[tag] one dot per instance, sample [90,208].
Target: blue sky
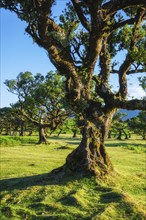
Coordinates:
[20,54]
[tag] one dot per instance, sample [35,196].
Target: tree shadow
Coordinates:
[74,142]
[64,138]
[25,182]
[45,179]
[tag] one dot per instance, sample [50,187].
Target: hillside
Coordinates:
[130,113]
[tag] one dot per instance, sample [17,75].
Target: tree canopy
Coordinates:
[83,43]
[40,99]
[88,31]
[138,124]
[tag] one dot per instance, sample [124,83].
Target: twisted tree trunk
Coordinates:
[90,157]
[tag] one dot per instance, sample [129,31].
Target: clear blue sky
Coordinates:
[20,54]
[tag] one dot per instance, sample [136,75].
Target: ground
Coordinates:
[29,192]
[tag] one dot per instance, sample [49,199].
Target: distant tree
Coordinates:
[90,33]
[40,100]
[21,124]
[138,124]
[10,121]
[119,126]
[73,126]
[6,120]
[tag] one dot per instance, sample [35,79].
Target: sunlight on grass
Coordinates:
[27,192]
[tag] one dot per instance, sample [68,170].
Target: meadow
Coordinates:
[28,191]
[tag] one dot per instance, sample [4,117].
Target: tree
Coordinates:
[138,124]
[6,120]
[40,100]
[71,126]
[10,121]
[90,33]
[119,126]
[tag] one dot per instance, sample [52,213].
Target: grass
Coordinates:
[27,192]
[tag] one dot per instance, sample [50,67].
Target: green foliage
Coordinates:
[41,98]
[16,140]
[142,81]
[138,124]
[119,127]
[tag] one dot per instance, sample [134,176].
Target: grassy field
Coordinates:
[27,191]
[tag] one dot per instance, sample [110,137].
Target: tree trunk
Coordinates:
[59,132]
[21,129]
[74,133]
[42,138]
[120,135]
[109,134]
[144,136]
[90,156]
[30,133]
[126,135]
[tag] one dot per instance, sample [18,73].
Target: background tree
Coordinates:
[40,100]
[6,120]
[138,124]
[119,126]
[21,124]
[71,126]
[90,33]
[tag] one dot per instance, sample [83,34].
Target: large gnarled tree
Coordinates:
[90,33]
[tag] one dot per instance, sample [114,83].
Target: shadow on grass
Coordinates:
[73,143]
[45,179]
[106,197]
[63,138]
[28,181]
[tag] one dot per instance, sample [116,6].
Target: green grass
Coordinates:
[28,192]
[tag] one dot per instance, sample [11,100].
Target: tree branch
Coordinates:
[123,23]
[115,5]
[104,63]
[124,68]
[80,14]
[130,104]
[130,71]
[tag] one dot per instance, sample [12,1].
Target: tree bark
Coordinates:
[42,137]
[90,156]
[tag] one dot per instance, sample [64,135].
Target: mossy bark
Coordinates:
[90,157]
